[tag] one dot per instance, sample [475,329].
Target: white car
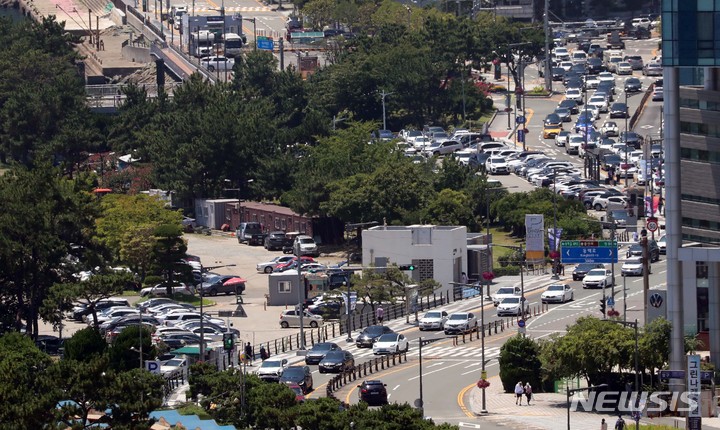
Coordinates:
[291,318]
[575,141]
[217,62]
[591,82]
[609,129]
[633,266]
[460,322]
[511,306]
[172,366]
[598,278]
[579,57]
[557,293]
[574,94]
[561,53]
[433,320]
[600,203]
[505,292]
[111,313]
[161,290]
[561,138]
[496,165]
[270,370]
[606,77]
[566,65]
[623,68]
[599,102]
[390,343]
[443,148]
[269,266]
[307,245]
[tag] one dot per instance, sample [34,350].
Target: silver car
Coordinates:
[433,320]
[460,322]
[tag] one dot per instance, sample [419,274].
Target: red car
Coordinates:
[299,395]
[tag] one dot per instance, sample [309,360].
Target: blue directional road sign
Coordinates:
[520,119]
[588,251]
[265,44]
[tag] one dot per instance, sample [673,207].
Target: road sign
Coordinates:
[611,301]
[591,243]
[418,403]
[652,224]
[588,254]
[152,366]
[672,374]
[265,44]
[521,136]
[520,119]
[521,323]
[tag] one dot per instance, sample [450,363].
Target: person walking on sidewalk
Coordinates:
[249,352]
[528,392]
[620,423]
[519,391]
[379,314]
[603,425]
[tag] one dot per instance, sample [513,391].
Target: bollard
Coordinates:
[455,341]
[393,359]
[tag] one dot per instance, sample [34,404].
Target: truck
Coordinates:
[614,41]
[201,44]
[611,58]
[250,233]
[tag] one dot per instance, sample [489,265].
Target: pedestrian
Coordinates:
[464,278]
[528,392]
[519,391]
[379,314]
[603,425]
[661,201]
[249,352]
[620,423]
[263,353]
[562,269]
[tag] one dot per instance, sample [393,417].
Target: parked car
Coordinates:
[274,240]
[557,293]
[49,344]
[460,322]
[336,362]
[443,148]
[370,334]
[662,243]
[433,320]
[291,318]
[269,266]
[161,290]
[390,343]
[300,375]
[222,284]
[373,393]
[598,278]
[318,351]
[497,165]
[251,233]
[299,394]
[307,245]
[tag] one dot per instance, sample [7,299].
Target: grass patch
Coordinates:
[194,410]
[501,237]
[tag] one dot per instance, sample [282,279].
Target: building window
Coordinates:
[700,239]
[424,269]
[701,223]
[284,287]
[283,224]
[700,155]
[700,199]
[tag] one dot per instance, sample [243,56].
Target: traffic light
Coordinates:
[409,267]
[602,306]
[228,341]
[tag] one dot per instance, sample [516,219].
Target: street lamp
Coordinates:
[383,94]
[637,366]
[577,390]
[301,298]
[347,312]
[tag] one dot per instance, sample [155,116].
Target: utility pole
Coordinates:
[646,271]
[556,275]
[546,28]
[383,94]
[301,296]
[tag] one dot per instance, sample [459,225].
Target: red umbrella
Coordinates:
[234,281]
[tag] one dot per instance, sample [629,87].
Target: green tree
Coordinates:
[84,345]
[450,208]
[124,354]
[654,345]
[519,361]
[128,408]
[27,402]
[168,254]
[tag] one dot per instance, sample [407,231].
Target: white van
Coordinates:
[307,246]
[579,57]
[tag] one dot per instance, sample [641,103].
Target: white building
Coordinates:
[437,252]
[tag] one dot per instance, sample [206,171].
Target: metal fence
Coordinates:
[369,367]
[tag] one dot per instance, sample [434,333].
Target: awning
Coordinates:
[190,350]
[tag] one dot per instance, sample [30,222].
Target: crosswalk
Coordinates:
[434,352]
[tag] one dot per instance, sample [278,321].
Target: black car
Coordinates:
[337,362]
[227,284]
[631,139]
[328,310]
[178,340]
[300,375]
[582,269]
[595,66]
[569,104]
[274,240]
[332,32]
[633,85]
[611,160]
[370,334]
[619,110]
[635,250]
[575,83]
[558,73]
[553,119]
[83,310]
[318,352]
[49,344]
[373,393]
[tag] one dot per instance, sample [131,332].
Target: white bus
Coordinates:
[233,44]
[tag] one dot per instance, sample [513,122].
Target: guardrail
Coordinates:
[369,367]
[641,108]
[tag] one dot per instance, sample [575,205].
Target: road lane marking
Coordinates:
[469,425]
[435,371]
[396,387]
[461,401]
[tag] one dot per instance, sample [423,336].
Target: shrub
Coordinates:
[507,271]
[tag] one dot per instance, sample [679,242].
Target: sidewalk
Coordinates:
[548,411]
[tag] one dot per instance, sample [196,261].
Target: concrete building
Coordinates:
[437,252]
[691,58]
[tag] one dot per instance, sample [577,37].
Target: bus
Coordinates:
[201,43]
[233,44]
